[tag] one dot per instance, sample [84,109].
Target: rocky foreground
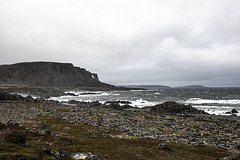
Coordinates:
[175,126]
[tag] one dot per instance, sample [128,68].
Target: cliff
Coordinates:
[48,74]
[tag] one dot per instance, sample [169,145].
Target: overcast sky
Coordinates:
[166,42]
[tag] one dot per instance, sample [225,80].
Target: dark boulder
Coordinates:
[175,108]
[12,122]
[234,111]
[10,97]
[2,126]
[70,94]
[88,93]
[117,106]
[59,154]
[14,97]
[4,130]
[120,102]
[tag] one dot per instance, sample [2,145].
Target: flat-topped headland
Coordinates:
[47,79]
[185,126]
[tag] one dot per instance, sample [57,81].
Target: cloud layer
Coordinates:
[128,42]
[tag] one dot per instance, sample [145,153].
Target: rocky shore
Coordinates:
[184,126]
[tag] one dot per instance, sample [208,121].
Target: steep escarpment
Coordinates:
[48,74]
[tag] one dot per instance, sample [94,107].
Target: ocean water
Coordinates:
[212,100]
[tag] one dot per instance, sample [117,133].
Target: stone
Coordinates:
[228,158]
[12,122]
[60,154]
[84,156]
[57,154]
[29,99]
[44,129]
[49,152]
[70,94]
[164,147]
[5,131]
[175,108]
[237,146]
[234,111]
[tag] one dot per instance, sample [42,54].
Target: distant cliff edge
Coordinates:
[48,74]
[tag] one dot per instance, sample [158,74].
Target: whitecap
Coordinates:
[142,103]
[212,101]
[105,94]
[25,95]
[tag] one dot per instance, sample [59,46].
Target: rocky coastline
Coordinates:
[169,122]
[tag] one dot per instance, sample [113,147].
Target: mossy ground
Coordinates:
[73,138]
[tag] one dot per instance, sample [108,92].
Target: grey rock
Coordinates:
[5,131]
[228,158]
[175,108]
[57,154]
[84,156]
[44,129]
[12,122]
[234,111]
[164,147]
[60,154]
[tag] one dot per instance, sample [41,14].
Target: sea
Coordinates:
[216,101]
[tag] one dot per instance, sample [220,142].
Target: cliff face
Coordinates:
[49,74]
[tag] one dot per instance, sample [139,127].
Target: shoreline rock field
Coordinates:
[184,127]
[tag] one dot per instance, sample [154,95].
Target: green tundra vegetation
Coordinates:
[73,138]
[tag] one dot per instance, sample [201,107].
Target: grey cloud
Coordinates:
[128,42]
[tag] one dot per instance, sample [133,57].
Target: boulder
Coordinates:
[59,154]
[164,147]
[234,111]
[12,122]
[84,156]
[5,131]
[228,158]
[70,94]
[44,129]
[175,108]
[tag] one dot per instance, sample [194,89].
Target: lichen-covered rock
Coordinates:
[84,156]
